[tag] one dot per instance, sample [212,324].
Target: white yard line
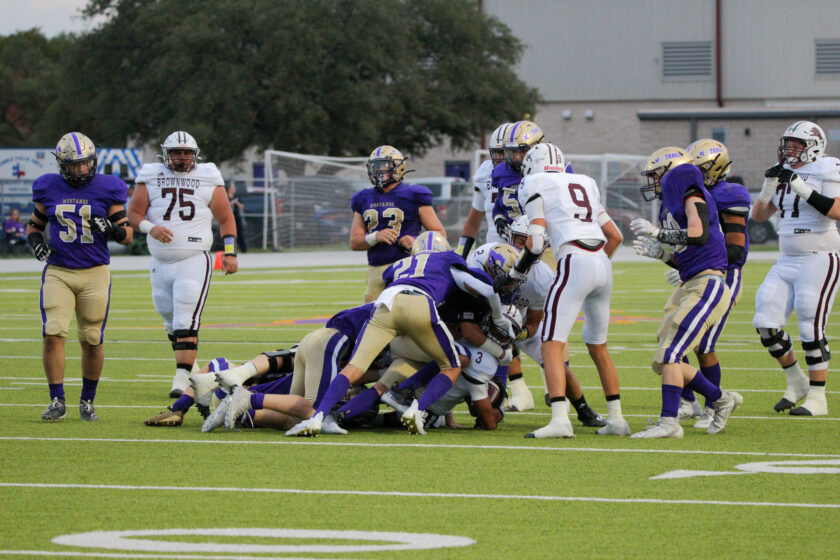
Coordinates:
[417,495]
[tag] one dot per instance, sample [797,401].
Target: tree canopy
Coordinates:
[317,76]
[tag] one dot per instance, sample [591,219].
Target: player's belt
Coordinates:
[588,246]
[471,379]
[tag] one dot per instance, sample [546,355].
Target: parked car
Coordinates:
[447,193]
[762,232]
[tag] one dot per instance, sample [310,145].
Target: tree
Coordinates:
[318,76]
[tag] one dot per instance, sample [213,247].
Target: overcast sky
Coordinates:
[52,16]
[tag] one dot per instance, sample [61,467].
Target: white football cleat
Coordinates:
[729,401]
[521,398]
[665,427]
[689,409]
[308,428]
[394,401]
[203,385]
[413,419]
[554,429]
[330,426]
[227,380]
[618,427]
[240,403]
[705,419]
[814,405]
[217,417]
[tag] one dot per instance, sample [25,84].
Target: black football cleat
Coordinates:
[783,405]
[590,418]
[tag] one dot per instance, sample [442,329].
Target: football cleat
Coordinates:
[729,401]
[203,385]
[414,419]
[228,380]
[521,398]
[814,405]
[55,412]
[86,411]
[217,417]
[180,382]
[618,427]
[308,428]
[589,418]
[705,419]
[396,400]
[240,403]
[664,427]
[330,426]
[554,429]
[168,417]
[689,409]
[797,389]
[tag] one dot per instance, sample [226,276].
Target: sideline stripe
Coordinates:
[419,495]
[298,441]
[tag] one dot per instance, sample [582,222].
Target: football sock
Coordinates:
[670,400]
[257,400]
[688,394]
[56,391]
[796,382]
[220,393]
[421,378]
[361,403]
[559,409]
[578,403]
[89,389]
[335,392]
[279,386]
[501,377]
[244,372]
[436,388]
[183,403]
[705,387]
[614,407]
[712,373]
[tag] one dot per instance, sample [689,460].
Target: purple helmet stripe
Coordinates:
[513,130]
[430,242]
[76,141]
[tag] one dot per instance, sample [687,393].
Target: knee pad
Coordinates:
[280,361]
[183,344]
[777,341]
[171,338]
[817,354]
[657,367]
[91,335]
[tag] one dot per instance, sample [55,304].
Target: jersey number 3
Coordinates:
[187,208]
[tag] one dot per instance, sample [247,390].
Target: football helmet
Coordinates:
[497,143]
[804,131]
[430,242]
[658,164]
[180,140]
[385,165]
[72,152]
[543,158]
[519,228]
[496,334]
[521,137]
[500,259]
[712,158]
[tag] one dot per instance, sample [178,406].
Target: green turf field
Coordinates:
[769,486]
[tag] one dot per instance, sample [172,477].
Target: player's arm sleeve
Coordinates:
[478,199]
[470,284]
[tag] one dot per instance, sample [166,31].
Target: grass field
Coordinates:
[770,484]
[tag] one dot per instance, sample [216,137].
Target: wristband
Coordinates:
[371,239]
[524,335]
[230,245]
[493,349]
[145,226]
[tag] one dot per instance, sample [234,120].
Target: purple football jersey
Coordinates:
[350,321]
[691,259]
[430,272]
[504,181]
[398,208]
[69,209]
[732,195]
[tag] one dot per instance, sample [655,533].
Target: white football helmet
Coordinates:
[180,140]
[496,334]
[543,158]
[519,228]
[500,259]
[75,148]
[804,131]
[430,242]
[497,143]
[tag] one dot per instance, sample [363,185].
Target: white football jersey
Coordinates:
[181,203]
[472,382]
[571,203]
[483,199]
[532,292]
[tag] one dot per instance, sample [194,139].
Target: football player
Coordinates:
[388,216]
[529,297]
[733,205]
[484,195]
[804,187]
[84,211]
[174,204]
[520,137]
[696,247]
[408,306]
[568,206]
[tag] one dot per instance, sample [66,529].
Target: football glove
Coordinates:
[647,247]
[771,181]
[39,247]
[672,275]
[103,225]
[506,283]
[502,227]
[640,226]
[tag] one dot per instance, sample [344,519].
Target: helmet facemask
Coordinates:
[180,160]
[381,173]
[653,190]
[792,151]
